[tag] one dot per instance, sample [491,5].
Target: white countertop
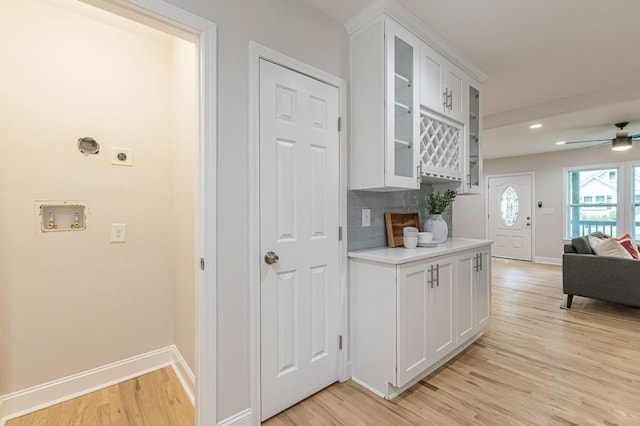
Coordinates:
[399,255]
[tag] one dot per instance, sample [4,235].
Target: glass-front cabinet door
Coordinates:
[473,159]
[403,113]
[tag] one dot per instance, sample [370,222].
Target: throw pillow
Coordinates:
[581,244]
[608,247]
[629,245]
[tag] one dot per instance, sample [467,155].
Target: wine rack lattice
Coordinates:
[439,148]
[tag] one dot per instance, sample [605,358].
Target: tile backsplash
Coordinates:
[379,203]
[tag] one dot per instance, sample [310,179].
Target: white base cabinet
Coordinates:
[410,318]
[473,293]
[425,315]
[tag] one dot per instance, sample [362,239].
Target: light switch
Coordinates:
[366,217]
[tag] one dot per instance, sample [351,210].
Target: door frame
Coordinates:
[256,53]
[168,18]
[533,215]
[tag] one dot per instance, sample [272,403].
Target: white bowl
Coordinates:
[410,242]
[425,237]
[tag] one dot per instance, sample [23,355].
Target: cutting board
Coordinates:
[395,222]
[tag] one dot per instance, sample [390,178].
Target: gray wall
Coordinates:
[548,187]
[379,203]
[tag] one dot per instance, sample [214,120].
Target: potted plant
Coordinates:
[437,203]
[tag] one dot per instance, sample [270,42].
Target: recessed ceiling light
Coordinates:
[561,142]
[535,126]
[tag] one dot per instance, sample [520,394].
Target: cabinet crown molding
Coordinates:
[398,12]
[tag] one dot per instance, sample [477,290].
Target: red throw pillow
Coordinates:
[627,242]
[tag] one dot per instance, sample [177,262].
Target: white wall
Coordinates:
[295,29]
[72,301]
[548,184]
[183,183]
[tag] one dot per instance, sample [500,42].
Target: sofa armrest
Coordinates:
[601,277]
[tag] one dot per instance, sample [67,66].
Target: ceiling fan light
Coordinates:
[621,144]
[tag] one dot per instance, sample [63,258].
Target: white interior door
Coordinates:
[299,219]
[510,219]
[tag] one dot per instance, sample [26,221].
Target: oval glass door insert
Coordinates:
[509,206]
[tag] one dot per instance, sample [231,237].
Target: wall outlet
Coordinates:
[121,157]
[118,232]
[366,217]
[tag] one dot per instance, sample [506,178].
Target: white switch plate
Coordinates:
[366,217]
[121,157]
[118,232]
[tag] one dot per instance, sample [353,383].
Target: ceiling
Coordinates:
[572,65]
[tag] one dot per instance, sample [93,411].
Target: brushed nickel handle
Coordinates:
[430,281]
[271,257]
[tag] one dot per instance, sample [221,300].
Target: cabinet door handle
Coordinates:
[450,99]
[430,281]
[480,259]
[445,96]
[475,262]
[438,275]
[419,177]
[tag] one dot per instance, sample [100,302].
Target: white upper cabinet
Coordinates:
[442,84]
[385,138]
[411,105]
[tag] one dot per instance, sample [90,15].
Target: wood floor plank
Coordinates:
[154,399]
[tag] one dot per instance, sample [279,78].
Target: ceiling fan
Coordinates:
[621,142]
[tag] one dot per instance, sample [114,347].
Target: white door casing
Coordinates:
[510,221]
[180,23]
[299,219]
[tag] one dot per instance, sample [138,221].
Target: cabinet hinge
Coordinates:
[339,124]
[340,343]
[339,233]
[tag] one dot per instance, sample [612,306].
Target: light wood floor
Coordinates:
[154,399]
[535,365]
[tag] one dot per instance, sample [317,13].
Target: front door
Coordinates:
[299,219]
[510,219]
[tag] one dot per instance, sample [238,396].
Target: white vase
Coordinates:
[438,226]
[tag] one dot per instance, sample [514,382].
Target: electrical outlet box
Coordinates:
[118,232]
[121,157]
[366,217]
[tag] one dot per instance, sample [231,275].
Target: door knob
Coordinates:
[270,258]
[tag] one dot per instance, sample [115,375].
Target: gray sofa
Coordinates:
[599,277]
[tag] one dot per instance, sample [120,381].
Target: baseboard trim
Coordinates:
[185,375]
[35,398]
[548,260]
[239,419]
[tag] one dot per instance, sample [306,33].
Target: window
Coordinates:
[584,215]
[509,206]
[605,199]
